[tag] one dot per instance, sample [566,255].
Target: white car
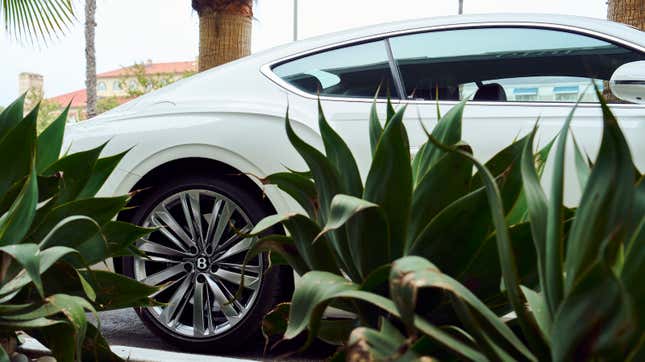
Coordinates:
[200,145]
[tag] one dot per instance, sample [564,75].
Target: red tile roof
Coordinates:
[154,68]
[78,99]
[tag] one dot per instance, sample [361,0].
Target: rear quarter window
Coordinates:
[352,71]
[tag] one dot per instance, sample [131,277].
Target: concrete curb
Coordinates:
[136,354]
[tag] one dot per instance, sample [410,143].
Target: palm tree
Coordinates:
[40,20]
[90,58]
[631,12]
[224,30]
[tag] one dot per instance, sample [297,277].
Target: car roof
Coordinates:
[269,56]
[613,29]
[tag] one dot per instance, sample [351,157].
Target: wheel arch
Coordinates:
[193,166]
[195,160]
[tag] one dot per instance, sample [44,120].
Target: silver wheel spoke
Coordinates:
[162,276]
[209,313]
[177,301]
[163,230]
[160,259]
[236,278]
[221,223]
[164,287]
[247,268]
[160,250]
[170,221]
[193,214]
[198,309]
[231,297]
[187,213]
[212,220]
[242,246]
[235,238]
[220,298]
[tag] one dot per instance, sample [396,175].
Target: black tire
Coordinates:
[275,286]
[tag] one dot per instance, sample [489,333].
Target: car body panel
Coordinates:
[235,113]
[499,125]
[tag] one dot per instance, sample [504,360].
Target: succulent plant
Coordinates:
[431,206]
[589,305]
[52,230]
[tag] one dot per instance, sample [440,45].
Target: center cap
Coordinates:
[202,263]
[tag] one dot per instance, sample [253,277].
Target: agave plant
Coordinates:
[355,230]
[52,229]
[589,305]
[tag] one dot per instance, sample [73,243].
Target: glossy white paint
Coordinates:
[628,82]
[235,113]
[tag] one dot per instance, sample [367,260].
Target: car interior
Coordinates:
[490,92]
[422,75]
[361,82]
[428,78]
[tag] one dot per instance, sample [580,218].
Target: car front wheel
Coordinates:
[196,256]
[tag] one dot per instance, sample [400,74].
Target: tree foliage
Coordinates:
[137,82]
[36,20]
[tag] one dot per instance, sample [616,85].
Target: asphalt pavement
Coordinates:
[123,327]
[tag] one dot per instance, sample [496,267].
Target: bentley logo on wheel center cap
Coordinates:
[202,263]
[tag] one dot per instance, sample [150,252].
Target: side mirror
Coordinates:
[628,82]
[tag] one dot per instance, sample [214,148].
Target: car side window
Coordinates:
[353,71]
[506,64]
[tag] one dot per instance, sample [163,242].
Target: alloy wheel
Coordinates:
[196,257]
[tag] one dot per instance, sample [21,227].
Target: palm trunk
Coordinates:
[90,58]
[631,12]
[224,31]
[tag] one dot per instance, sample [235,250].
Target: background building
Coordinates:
[123,82]
[118,86]
[543,89]
[33,83]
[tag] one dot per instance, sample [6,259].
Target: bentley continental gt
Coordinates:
[199,145]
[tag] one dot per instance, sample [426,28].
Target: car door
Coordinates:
[515,76]
[346,80]
[513,82]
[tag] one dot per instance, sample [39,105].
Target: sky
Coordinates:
[131,31]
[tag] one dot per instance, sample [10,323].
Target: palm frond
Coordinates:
[36,20]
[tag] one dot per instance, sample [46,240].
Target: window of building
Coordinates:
[525,94]
[116,85]
[499,64]
[132,85]
[354,71]
[100,86]
[566,93]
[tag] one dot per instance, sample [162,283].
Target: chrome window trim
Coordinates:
[265,69]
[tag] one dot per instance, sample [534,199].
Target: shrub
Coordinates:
[355,230]
[52,229]
[589,305]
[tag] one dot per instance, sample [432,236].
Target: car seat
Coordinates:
[490,92]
